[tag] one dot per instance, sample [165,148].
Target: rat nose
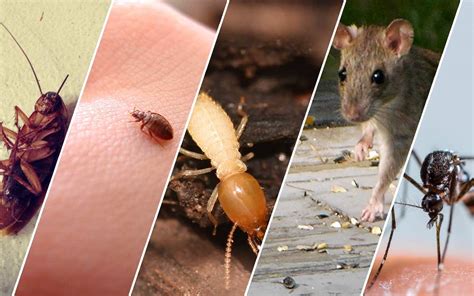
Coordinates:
[353,112]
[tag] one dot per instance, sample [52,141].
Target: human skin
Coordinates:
[111,176]
[417,275]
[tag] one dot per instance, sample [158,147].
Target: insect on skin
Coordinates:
[238,192]
[34,149]
[153,124]
[444,180]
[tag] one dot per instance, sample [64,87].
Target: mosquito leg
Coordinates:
[465,188]
[394,226]
[190,173]
[416,157]
[245,118]
[210,206]
[451,211]
[439,222]
[192,154]
[414,183]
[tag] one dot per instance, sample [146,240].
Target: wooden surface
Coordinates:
[308,193]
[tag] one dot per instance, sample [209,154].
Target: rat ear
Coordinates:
[399,36]
[344,36]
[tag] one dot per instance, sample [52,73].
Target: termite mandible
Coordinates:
[238,192]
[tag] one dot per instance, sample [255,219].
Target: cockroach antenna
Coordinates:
[62,84]
[26,56]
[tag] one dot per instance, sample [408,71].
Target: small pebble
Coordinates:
[289,282]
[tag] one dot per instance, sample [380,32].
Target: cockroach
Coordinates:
[34,149]
[153,124]
[444,181]
[238,192]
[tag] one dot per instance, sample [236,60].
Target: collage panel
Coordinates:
[44,62]
[239,140]
[341,183]
[442,165]
[119,151]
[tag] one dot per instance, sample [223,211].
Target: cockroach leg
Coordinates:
[7,136]
[191,173]
[228,256]
[210,207]
[192,154]
[33,179]
[20,114]
[394,226]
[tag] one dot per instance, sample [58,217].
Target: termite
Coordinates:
[34,150]
[153,124]
[238,192]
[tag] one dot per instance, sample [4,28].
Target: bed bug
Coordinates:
[153,124]
[444,181]
[34,149]
[238,192]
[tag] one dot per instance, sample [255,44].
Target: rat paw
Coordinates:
[361,150]
[372,212]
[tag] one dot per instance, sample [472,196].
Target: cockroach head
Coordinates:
[49,103]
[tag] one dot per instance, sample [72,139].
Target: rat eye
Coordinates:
[342,74]
[378,77]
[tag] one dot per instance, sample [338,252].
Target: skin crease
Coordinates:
[111,176]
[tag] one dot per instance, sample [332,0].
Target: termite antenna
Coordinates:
[228,256]
[62,84]
[26,56]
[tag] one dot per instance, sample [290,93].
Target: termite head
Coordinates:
[243,201]
[49,103]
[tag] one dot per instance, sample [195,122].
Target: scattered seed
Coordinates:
[346,225]
[348,248]
[322,246]
[376,230]
[338,189]
[289,282]
[354,221]
[336,224]
[373,155]
[305,247]
[282,248]
[305,227]
[354,183]
[322,215]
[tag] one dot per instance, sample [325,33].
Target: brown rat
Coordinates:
[384,83]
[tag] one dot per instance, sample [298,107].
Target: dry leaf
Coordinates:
[322,246]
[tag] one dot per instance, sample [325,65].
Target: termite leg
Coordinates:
[189,173]
[439,222]
[192,154]
[228,256]
[394,226]
[245,118]
[252,244]
[414,183]
[247,157]
[210,206]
